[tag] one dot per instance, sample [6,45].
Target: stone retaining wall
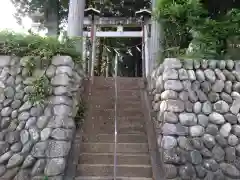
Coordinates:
[197,119]
[35,140]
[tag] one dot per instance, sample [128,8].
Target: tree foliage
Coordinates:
[27,7]
[188,25]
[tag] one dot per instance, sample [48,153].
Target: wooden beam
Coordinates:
[113,21]
[124,34]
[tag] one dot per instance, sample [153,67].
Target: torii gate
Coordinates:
[120,22]
[152,48]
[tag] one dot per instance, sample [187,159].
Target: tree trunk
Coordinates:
[75,21]
[52,17]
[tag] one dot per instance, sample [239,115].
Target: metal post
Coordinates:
[93,48]
[115,120]
[84,52]
[93,51]
[146,48]
[143,48]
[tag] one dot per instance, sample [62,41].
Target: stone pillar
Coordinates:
[156,37]
[75,20]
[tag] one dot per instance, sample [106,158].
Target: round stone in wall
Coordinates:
[216,118]
[168,142]
[218,153]
[209,140]
[202,120]
[197,143]
[169,94]
[220,75]
[225,129]
[170,171]
[226,97]
[175,85]
[211,165]
[207,108]
[187,171]
[200,75]
[232,140]
[188,119]
[210,75]
[206,86]
[236,130]
[212,129]
[218,86]
[196,131]
[213,97]
[196,157]
[221,107]
[230,154]
[230,170]
[228,87]
[170,117]
[197,107]
[184,143]
[229,64]
[201,171]
[170,74]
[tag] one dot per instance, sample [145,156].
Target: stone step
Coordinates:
[121,138]
[109,148]
[110,178]
[108,158]
[107,170]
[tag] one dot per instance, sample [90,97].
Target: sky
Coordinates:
[7,20]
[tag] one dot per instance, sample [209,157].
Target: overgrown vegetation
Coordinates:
[79,119]
[190,31]
[33,45]
[41,90]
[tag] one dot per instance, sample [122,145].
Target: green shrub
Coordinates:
[33,45]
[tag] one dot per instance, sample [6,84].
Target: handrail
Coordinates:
[115,119]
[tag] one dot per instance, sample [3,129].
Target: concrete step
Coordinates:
[101,130]
[121,138]
[109,148]
[111,98]
[121,127]
[107,170]
[108,158]
[121,122]
[104,113]
[110,178]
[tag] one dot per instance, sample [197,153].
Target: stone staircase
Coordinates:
[96,139]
